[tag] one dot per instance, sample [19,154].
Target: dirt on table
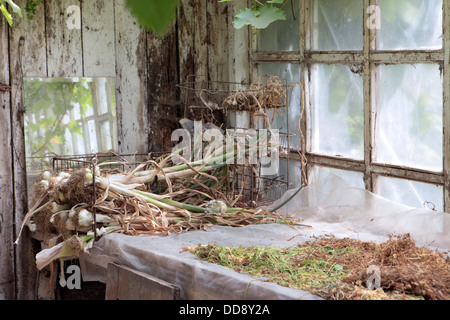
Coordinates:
[404,267]
[344,269]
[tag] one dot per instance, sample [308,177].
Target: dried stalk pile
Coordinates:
[155,198]
[260,96]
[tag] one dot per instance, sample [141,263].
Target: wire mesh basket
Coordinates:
[256,191]
[199,93]
[109,162]
[251,103]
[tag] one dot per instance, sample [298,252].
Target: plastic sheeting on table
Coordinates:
[330,206]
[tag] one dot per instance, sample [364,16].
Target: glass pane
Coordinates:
[337,114]
[411,193]
[408,128]
[288,171]
[410,24]
[337,25]
[355,179]
[283,35]
[102,95]
[92,126]
[290,73]
[106,135]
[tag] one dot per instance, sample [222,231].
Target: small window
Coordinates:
[67,117]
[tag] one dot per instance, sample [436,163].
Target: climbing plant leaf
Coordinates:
[259,19]
[4,10]
[154,15]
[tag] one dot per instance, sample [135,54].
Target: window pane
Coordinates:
[337,25]
[290,73]
[92,136]
[288,171]
[410,24]
[408,128]
[106,136]
[337,113]
[355,179]
[282,35]
[411,193]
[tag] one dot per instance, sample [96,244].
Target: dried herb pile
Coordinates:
[338,269]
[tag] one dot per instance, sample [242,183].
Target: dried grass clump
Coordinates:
[271,94]
[336,269]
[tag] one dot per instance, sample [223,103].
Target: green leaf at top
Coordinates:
[6,14]
[259,19]
[15,7]
[154,15]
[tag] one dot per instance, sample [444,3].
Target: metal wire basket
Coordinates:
[110,162]
[256,191]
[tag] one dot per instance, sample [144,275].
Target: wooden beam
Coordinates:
[161,90]
[64,47]
[124,283]
[7,276]
[192,41]
[217,40]
[446,105]
[98,38]
[239,46]
[131,80]
[28,56]
[368,36]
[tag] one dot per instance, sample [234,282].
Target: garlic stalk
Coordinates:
[64,249]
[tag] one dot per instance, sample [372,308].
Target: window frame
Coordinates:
[367,60]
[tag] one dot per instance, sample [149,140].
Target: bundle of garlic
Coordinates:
[154,198]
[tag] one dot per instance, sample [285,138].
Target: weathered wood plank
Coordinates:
[368,102]
[112,281]
[98,38]
[28,52]
[131,81]
[124,283]
[239,56]
[446,106]
[64,48]
[6,176]
[192,41]
[218,50]
[162,91]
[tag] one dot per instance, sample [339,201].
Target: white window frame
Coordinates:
[368,58]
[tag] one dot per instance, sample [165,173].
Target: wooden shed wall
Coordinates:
[110,43]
